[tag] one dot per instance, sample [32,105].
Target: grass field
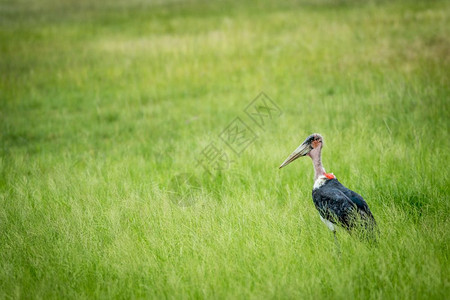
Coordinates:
[105,107]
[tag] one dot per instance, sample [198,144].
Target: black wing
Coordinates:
[334,206]
[363,208]
[335,201]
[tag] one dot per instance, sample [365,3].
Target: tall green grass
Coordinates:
[103,105]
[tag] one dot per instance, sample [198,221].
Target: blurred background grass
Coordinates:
[102,104]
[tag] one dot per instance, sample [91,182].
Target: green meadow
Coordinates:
[118,180]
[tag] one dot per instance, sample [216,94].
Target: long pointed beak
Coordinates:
[302,150]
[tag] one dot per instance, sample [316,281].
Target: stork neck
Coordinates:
[318,167]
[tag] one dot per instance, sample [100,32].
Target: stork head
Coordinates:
[311,147]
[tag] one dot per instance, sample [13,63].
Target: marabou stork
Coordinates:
[336,203]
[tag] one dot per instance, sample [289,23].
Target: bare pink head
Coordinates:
[311,146]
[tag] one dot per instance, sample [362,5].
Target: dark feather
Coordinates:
[340,205]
